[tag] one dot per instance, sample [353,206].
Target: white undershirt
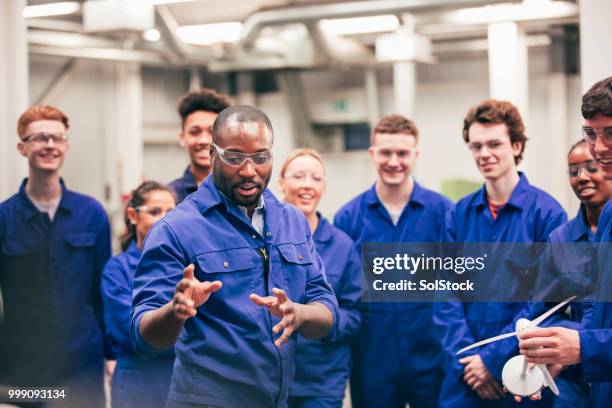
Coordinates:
[49,208]
[395,215]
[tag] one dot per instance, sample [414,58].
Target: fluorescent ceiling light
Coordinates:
[208,34]
[151,35]
[159,2]
[51,9]
[360,25]
[527,10]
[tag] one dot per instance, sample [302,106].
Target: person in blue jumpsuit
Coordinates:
[198,110]
[231,276]
[593,191]
[396,354]
[506,209]
[590,345]
[136,381]
[54,243]
[323,367]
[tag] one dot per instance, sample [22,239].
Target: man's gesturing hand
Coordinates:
[190,294]
[280,306]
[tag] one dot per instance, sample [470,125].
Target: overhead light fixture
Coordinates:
[360,25]
[51,9]
[151,35]
[161,2]
[527,10]
[208,34]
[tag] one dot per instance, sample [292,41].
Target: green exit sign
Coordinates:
[340,105]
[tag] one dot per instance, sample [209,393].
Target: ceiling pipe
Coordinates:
[305,14]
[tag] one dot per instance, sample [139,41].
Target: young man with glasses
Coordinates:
[396,354]
[506,209]
[198,111]
[54,244]
[229,276]
[592,346]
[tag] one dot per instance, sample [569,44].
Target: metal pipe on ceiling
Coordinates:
[303,14]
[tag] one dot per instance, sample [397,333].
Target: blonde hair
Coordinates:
[299,153]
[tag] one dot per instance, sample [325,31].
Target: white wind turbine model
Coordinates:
[516,376]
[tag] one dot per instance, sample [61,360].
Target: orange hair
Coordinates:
[40,112]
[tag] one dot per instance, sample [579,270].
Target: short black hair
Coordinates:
[239,113]
[598,99]
[575,145]
[204,99]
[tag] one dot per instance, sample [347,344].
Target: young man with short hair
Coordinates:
[506,209]
[53,246]
[396,354]
[198,111]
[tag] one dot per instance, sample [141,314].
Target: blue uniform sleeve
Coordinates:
[549,219]
[348,297]
[117,296]
[158,272]
[342,221]
[103,253]
[449,315]
[596,350]
[319,290]
[495,355]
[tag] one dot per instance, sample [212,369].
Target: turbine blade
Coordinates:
[548,378]
[487,341]
[547,314]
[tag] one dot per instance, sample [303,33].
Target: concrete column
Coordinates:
[404,88]
[372,97]
[508,65]
[14,97]
[595,34]
[559,142]
[246,89]
[128,149]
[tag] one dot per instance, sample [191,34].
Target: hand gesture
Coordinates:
[280,306]
[190,294]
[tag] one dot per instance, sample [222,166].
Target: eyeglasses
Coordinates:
[237,159]
[153,211]
[387,154]
[589,166]
[43,138]
[492,145]
[590,135]
[197,131]
[300,177]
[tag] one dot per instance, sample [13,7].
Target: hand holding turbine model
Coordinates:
[517,377]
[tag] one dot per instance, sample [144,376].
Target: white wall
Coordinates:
[444,94]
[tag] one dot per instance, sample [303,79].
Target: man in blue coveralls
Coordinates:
[591,346]
[198,111]
[231,274]
[396,354]
[54,244]
[506,209]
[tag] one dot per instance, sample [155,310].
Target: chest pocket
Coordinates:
[77,263]
[296,259]
[19,248]
[81,240]
[19,257]
[238,270]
